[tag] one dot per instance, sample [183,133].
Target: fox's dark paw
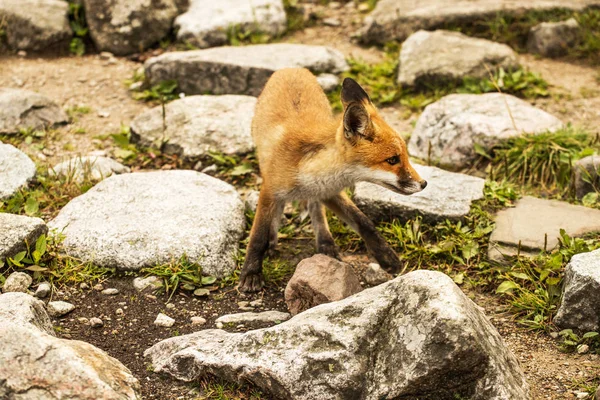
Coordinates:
[329,249]
[389,261]
[251,282]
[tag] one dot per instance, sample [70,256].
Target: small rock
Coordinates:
[16,168]
[164,320]
[170,306]
[256,303]
[110,291]
[83,320]
[17,282]
[105,55]
[98,287]
[582,395]
[119,312]
[219,325]
[43,290]
[586,175]
[328,82]
[554,335]
[250,317]
[59,308]
[198,166]
[331,22]
[22,53]
[103,114]
[554,39]
[136,86]
[198,321]
[96,322]
[24,109]
[242,304]
[152,282]
[375,275]
[211,169]
[84,286]
[583,349]
[363,7]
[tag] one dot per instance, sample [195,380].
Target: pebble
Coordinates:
[256,303]
[363,7]
[98,287]
[83,320]
[59,308]
[135,86]
[164,320]
[22,53]
[210,169]
[84,286]
[17,282]
[583,349]
[103,114]
[119,311]
[43,290]
[198,166]
[331,22]
[105,55]
[198,321]
[219,325]
[110,291]
[170,306]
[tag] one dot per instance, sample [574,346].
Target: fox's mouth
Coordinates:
[406,189]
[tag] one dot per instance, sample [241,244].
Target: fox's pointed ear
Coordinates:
[357,122]
[352,92]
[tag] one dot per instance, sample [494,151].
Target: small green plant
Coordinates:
[573,342]
[79,27]
[238,35]
[77,111]
[125,150]
[295,16]
[519,82]
[164,91]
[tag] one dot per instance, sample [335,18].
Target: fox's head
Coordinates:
[379,151]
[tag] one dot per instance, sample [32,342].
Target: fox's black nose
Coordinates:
[423,184]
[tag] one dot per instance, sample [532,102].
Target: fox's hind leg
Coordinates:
[325,243]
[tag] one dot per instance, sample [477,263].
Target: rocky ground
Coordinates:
[94,91]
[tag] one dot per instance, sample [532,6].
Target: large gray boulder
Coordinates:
[24,109]
[554,39]
[34,364]
[448,195]
[16,169]
[90,167]
[208,22]
[580,305]
[35,24]
[128,26]
[417,336]
[445,56]
[142,219]
[448,129]
[238,70]
[397,19]
[196,125]
[16,231]
[534,225]
[586,175]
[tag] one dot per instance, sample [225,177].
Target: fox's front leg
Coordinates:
[251,278]
[348,212]
[325,243]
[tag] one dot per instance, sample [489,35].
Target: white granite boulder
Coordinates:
[196,125]
[16,231]
[207,22]
[128,26]
[35,24]
[238,70]
[91,167]
[34,364]
[448,130]
[417,336]
[554,39]
[24,109]
[448,195]
[443,56]
[142,219]
[16,170]
[580,305]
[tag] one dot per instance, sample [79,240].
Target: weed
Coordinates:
[125,150]
[79,27]
[519,82]
[217,389]
[572,342]
[238,35]
[277,271]
[295,16]
[164,91]
[77,111]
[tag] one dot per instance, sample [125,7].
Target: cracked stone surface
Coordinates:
[197,125]
[16,170]
[415,334]
[207,22]
[250,317]
[34,363]
[448,195]
[239,70]
[448,129]
[397,19]
[16,231]
[94,167]
[580,305]
[24,109]
[142,219]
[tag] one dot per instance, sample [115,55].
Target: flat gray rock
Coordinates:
[16,231]
[128,26]
[532,219]
[16,169]
[142,219]
[24,109]
[445,56]
[586,175]
[448,195]
[197,125]
[90,167]
[207,22]
[580,305]
[554,39]
[250,317]
[35,363]
[415,334]
[35,24]
[448,129]
[238,70]
[397,19]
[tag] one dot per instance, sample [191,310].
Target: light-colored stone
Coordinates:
[586,175]
[35,24]
[198,321]
[448,129]
[317,280]
[142,219]
[197,125]
[16,169]
[271,317]
[34,363]
[151,282]
[59,308]
[110,291]
[96,322]
[328,82]
[416,334]
[251,200]
[448,195]
[536,223]
[90,167]
[164,320]
[17,282]
[375,275]
[554,39]
[397,19]
[43,290]
[442,56]
[207,23]
[580,305]
[238,70]
[24,109]
[128,26]
[18,230]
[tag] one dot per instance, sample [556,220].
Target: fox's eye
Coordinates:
[393,160]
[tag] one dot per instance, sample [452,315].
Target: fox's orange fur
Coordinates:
[305,153]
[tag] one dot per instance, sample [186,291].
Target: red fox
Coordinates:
[305,153]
